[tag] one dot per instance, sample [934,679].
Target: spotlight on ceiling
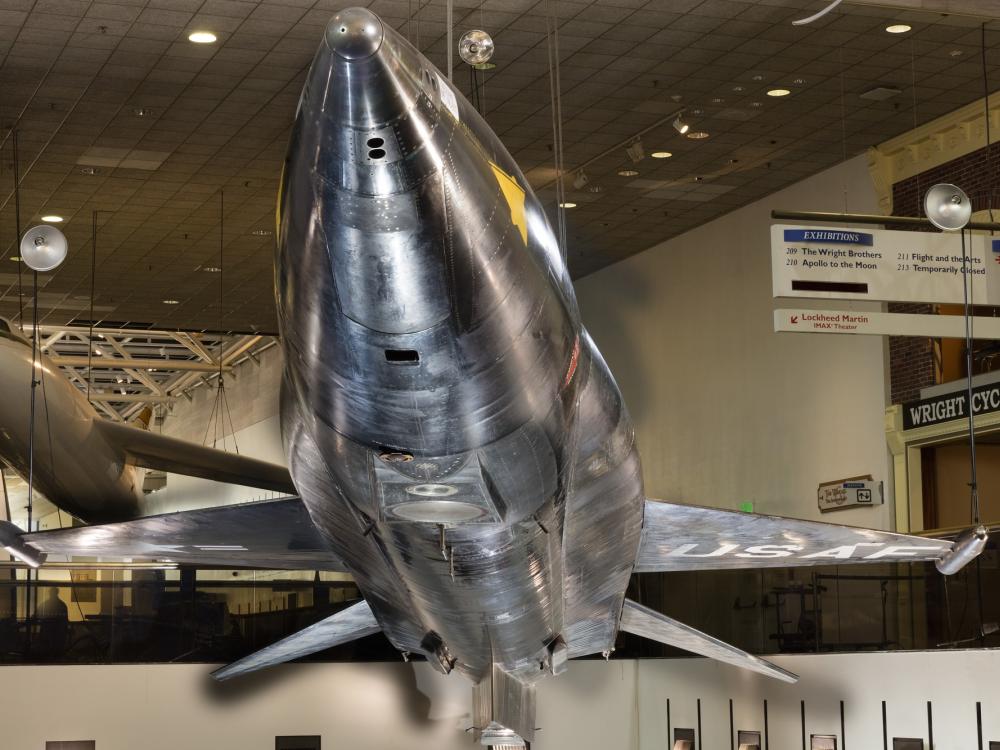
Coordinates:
[52,219]
[661,154]
[202,37]
[567,204]
[635,151]
[580,180]
[947,207]
[475,47]
[778,92]
[680,126]
[43,248]
[898,28]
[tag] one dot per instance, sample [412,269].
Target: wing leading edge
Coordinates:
[151,450]
[690,537]
[273,534]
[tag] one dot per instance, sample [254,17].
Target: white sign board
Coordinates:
[799,320]
[882,265]
[849,493]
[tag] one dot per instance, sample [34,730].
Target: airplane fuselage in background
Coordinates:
[447,420]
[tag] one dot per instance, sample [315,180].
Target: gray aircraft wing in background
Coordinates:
[151,450]
[272,534]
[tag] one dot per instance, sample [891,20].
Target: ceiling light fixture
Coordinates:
[580,180]
[635,151]
[170,302]
[567,204]
[778,92]
[211,269]
[697,135]
[202,37]
[738,89]
[661,154]
[52,219]
[16,258]
[261,233]
[680,126]
[628,172]
[898,28]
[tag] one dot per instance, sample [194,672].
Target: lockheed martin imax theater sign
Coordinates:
[882,265]
[949,406]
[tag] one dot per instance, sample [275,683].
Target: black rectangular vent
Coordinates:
[310,742]
[71,745]
[402,356]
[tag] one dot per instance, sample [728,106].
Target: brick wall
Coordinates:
[911,360]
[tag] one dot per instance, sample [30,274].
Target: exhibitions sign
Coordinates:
[882,265]
[949,406]
[849,493]
[798,320]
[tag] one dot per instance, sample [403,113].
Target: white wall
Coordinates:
[252,393]
[614,706]
[727,410]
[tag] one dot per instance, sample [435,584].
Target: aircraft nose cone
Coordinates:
[354,34]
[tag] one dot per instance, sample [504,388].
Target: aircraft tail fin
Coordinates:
[357,621]
[644,622]
[503,711]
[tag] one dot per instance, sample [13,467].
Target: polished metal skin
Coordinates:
[450,427]
[86,465]
[448,422]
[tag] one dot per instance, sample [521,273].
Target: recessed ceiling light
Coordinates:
[567,204]
[262,233]
[717,100]
[956,53]
[898,28]
[170,302]
[52,219]
[799,81]
[778,92]
[88,170]
[628,172]
[758,77]
[16,258]
[484,66]
[661,154]
[738,89]
[697,135]
[211,269]
[141,111]
[202,37]
[756,104]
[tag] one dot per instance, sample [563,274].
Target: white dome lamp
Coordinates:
[948,207]
[476,48]
[43,248]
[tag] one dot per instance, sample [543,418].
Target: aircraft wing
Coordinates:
[154,451]
[273,534]
[690,537]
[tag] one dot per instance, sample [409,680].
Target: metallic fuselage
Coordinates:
[75,466]
[448,422]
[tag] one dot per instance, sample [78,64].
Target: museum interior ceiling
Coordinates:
[118,113]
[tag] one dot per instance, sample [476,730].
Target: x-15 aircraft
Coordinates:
[455,439]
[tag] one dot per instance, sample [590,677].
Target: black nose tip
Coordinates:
[354,34]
